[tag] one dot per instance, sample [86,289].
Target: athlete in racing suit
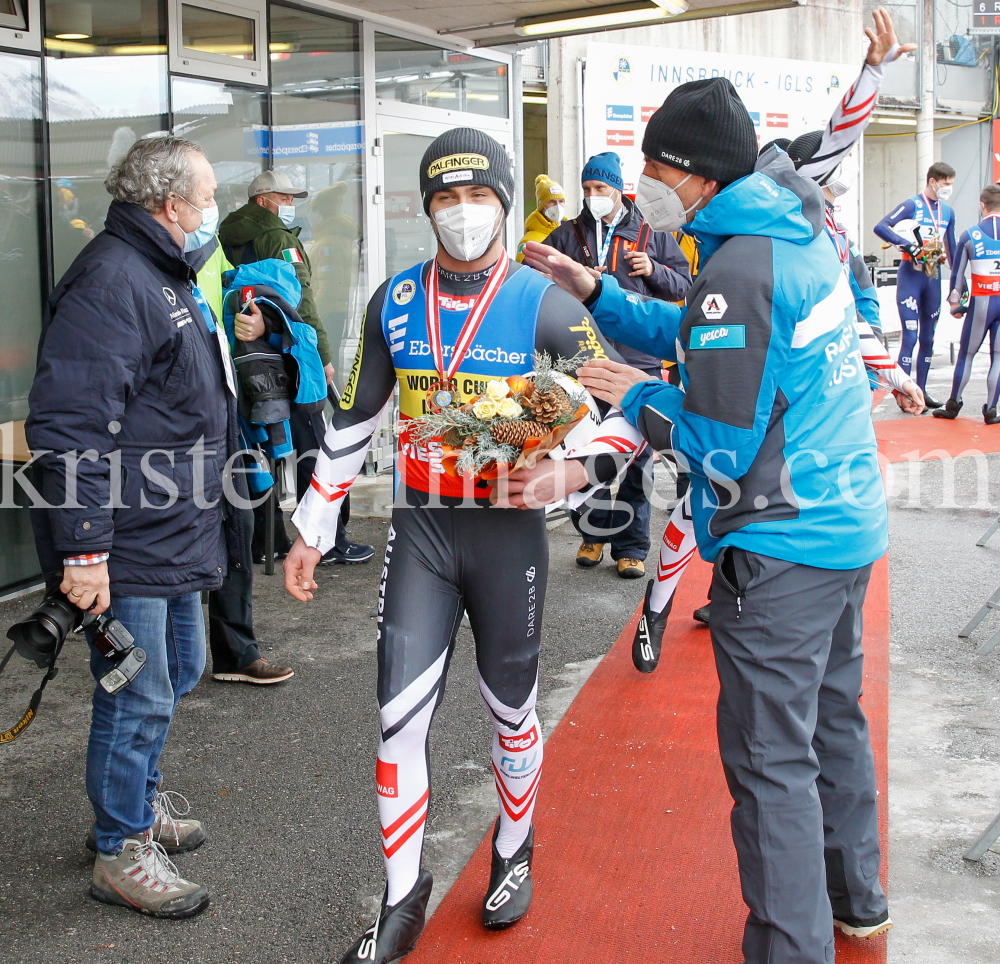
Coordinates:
[918,293]
[978,248]
[447,549]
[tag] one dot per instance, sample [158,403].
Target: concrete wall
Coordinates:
[824,30]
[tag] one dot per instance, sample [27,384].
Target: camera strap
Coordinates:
[10,735]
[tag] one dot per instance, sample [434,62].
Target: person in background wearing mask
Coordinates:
[547,216]
[261,229]
[978,249]
[611,235]
[918,293]
[469,315]
[767,349]
[134,370]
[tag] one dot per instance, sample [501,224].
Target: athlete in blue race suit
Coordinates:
[978,248]
[917,293]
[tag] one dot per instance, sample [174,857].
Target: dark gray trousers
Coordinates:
[796,751]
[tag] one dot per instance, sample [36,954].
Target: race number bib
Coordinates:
[985,277]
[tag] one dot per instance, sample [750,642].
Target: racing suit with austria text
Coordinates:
[448,550]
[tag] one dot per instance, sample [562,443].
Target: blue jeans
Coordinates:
[127,731]
[625,522]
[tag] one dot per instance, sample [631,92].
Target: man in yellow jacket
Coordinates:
[547,216]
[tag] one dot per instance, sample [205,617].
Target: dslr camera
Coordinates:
[40,637]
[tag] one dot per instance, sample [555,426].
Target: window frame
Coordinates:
[24,32]
[195,63]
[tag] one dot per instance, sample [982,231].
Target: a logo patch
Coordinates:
[714,307]
[452,176]
[718,336]
[456,162]
[518,744]
[619,112]
[622,71]
[646,113]
[168,293]
[403,292]
[292,255]
[621,138]
[673,538]
[386,782]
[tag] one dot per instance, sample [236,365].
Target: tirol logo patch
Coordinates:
[520,743]
[456,162]
[718,336]
[403,292]
[386,782]
[714,307]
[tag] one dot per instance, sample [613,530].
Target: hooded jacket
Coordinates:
[130,375]
[671,275]
[537,227]
[775,419]
[252,233]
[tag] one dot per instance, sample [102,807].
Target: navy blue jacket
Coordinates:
[129,374]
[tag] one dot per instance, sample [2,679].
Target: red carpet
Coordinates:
[634,859]
[910,438]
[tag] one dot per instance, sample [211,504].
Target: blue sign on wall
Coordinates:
[283,143]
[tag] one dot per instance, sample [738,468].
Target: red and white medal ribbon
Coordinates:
[462,344]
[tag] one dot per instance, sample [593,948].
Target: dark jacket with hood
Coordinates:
[253,233]
[129,375]
[671,275]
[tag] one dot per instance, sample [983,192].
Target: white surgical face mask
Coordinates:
[467,230]
[555,212]
[944,192]
[600,205]
[287,214]
[660,204]
[204,233]
[843,178]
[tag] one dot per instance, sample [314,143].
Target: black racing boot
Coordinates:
[396,928]
[649,634]
[509,893]
[990,416]
[950,410]
[929,402]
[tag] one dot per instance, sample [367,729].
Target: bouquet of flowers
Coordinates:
[513,423]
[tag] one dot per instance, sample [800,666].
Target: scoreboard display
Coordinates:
[986,16]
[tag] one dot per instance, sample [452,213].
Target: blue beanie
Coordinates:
[606,167]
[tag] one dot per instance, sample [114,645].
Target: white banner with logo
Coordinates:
[626,83]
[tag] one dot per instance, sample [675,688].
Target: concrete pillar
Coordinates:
[925,118]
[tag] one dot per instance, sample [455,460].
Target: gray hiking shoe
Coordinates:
[143,878]
[175,835]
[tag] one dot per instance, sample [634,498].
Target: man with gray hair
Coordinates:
[132,421]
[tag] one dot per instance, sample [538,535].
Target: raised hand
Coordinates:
[884,46]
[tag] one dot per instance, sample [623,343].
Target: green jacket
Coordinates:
[252,225]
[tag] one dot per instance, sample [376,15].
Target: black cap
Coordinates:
[782,142]
[464,156]
[703,128]
[804,146]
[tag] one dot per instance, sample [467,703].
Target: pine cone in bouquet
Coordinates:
[547,406]
[517,431]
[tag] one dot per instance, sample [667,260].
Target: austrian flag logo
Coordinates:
[714,307]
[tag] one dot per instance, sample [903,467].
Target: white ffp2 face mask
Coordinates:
[944,192]
[660,204]
[600,205]
[844,176]
[555,212]
[467,230]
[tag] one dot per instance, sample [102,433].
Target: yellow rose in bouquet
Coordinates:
[508,408]
[485,408]
[497,388]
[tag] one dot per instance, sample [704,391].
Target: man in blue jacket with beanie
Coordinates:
[788,504]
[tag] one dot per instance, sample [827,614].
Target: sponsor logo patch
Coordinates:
[385,779]
[673,537]
[403,293]
[645,113]
[619,112]
[452,176]
[517,744]
[457,162]
[622,138]
[714,307]
[755,117]
[622,72]
[718,336]
[168,293]
[775,120]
